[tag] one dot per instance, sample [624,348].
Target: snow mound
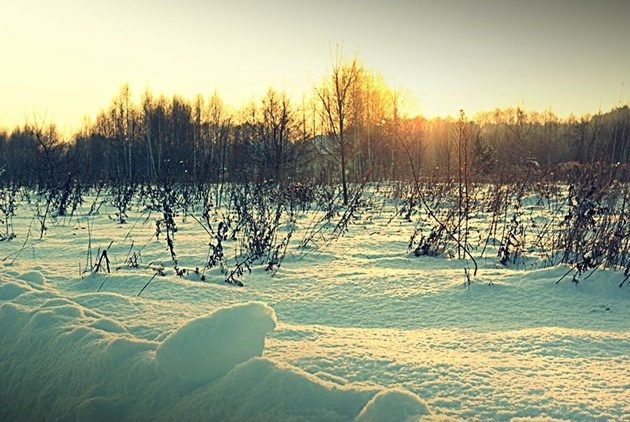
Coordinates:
[34,278]
[9,291]
[265,390]
[398,405]
[51,361]
[208,347]
[62,361]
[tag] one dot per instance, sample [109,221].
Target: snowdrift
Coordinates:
[62,361]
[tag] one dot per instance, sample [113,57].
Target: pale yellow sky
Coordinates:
[66,59]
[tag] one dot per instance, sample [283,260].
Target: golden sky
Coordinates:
[66,59]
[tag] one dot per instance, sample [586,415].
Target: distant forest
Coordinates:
[350,129]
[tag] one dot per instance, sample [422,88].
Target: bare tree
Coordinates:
[334,96]
[220,126]
[276,147]
[124,119]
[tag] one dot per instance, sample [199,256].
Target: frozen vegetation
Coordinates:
[338,318]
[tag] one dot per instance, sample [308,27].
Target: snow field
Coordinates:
[358,325]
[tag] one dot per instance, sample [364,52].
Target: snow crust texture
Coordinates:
[393,404]
[62,361]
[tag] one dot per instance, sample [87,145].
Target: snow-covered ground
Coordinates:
[359,330]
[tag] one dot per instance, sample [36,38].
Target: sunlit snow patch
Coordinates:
[208,347]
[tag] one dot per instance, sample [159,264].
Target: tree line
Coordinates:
[352,128]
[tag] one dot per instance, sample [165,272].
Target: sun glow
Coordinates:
[64,60]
